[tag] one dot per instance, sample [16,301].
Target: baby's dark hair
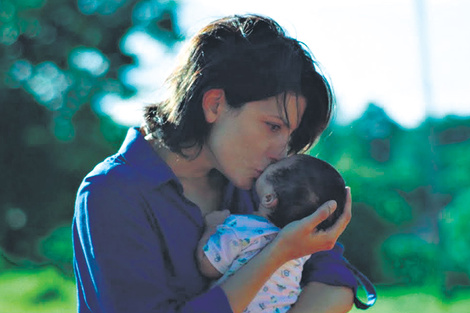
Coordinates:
[302,187]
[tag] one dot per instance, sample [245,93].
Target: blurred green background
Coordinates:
[410,186]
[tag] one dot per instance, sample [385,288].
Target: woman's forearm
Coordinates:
[243,286]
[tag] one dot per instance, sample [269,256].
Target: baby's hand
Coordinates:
[212,220]
[216,218]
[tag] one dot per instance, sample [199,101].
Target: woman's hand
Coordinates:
[301,237]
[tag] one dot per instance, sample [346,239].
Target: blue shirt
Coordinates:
[135,237]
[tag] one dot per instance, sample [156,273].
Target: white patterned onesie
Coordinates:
[239,239]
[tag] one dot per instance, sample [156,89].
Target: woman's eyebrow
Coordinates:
[279,117]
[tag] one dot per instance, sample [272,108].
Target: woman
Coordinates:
[244,95]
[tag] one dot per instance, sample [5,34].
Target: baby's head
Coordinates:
[295,187]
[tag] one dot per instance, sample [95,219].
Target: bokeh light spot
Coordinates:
[7,11]
[21,70]
[90,60]
[16,218]
[48,84]
[88,6]
[9,34]
[104,7]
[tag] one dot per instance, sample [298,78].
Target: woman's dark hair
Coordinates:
[250,58]
[302,187]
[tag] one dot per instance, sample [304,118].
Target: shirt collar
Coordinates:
[139,154]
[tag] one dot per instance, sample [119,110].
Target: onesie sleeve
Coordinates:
[222,248]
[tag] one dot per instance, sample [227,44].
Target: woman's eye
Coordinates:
[273,127]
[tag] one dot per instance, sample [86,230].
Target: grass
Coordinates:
[46,290]
[36,291]
[417,299]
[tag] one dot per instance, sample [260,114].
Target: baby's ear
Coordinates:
[270,200]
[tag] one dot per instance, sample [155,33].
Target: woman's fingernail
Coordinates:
[331,206]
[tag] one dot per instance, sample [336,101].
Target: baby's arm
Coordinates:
[212,220]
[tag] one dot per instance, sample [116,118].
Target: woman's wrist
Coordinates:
[276,254]
[243,286]
[279,251]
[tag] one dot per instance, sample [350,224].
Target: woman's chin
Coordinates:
[245,184]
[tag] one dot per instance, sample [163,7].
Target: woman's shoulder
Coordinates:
[135,165]
[117,171]
[114,187]
[111,171]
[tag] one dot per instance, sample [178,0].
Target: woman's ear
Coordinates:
[212,103]
[269,200]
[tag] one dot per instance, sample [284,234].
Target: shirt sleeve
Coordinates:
[330,268]
[119,265]
[222,248]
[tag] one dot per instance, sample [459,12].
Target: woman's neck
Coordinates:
[201,184]
[196,168]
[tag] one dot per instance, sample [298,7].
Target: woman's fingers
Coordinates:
[321,214]
[338,228]
[326,209]
[314,240]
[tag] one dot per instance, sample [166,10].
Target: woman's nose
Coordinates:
[278,152]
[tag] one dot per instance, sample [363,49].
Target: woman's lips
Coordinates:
[258,173]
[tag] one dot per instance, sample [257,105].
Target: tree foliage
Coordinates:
[410,186]
[409,190]
[57,57]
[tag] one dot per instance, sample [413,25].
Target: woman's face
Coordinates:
[243,142]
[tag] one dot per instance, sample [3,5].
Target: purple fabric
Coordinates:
[135,236]
[329,267]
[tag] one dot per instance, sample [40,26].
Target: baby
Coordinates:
[288,190]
